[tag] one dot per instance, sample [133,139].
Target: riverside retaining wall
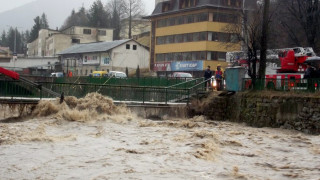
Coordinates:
[296,112]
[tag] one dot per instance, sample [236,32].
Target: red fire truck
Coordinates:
[293,64]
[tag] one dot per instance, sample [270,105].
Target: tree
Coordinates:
[253,33]
[264,40]
[3,41]
[35,29]
[79,18]
[138,72]
[117,10]
[44,21]
[127,72]
[133,9]
[98,16]
[301,20]
[39,23]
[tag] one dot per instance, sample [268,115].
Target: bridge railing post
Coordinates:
[166,95]
[143,94]
[188,100]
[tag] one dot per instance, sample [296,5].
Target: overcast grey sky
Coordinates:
[11,4]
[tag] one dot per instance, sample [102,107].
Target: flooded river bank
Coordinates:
[86,140]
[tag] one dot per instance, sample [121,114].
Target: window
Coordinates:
[160,57]
[179,38]
[169,57]
[221,56]
[127,46]
[190,18]
[162,23]
[188,56]
[171,22]
[86,31]
[185,38]
[196,56]
[203,36]
[160,40]
[190,37]
[201,17]
[170,39]
[75,41]
[223,17]
[134,47]
[203,55]
[196,36]
[180,20]
[102,32]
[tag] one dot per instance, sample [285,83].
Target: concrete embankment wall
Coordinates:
[159,112]
[289,111]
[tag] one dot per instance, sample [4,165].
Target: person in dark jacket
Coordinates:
[309,75]
[207,76]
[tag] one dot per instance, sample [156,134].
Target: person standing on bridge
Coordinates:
[207,77]
[218,78]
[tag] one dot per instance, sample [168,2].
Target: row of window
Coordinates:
[193,18]
[191,56]
[100,32]
[198,36]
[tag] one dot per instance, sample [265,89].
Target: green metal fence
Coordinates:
[303,85]
[19,89]
[180,92]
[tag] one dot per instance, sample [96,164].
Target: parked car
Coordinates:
[99,73]
[57,74]
[117,74]
[182,75]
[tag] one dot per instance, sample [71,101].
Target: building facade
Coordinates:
[189,35]
[83,59]
[51,42]
[5,54]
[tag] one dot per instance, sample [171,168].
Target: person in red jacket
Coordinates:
[218,78]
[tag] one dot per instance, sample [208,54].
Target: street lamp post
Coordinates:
[15,49]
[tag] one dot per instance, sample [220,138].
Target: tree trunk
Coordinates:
[264,40]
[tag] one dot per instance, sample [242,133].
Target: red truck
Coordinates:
[293,64]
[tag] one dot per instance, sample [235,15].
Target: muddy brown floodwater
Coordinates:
[91,138]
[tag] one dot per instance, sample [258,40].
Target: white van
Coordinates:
[117,74]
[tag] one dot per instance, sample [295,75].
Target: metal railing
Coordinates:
[179,92]
[144,81]
[302,85]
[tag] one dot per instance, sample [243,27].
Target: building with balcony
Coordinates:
[189,35]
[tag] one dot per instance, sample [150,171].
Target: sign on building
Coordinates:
[187,66]
[166,66]
[90,59]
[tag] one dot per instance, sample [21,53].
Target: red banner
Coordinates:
[165,66]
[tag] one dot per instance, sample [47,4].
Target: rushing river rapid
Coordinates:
[91,138]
